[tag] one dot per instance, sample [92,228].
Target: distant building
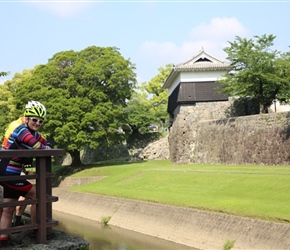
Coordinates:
[195,81]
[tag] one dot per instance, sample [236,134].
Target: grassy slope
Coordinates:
[253,191]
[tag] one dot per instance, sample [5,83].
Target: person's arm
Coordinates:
[42,140]
[26,138]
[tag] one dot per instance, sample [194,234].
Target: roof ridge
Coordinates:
[201,55]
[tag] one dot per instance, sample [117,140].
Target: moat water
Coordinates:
[103,237]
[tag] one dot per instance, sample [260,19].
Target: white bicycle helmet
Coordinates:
[35,108]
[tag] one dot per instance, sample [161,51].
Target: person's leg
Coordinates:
[12,191]
[1,199]
[6,220]
[32,195]
[19,212]
[19,209]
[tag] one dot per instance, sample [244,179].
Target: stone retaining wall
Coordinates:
[257,139]
[191,227]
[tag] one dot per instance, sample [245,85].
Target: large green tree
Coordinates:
[257,71]
[4,109]
[148,105]
[139,117]
[159,97]
[7,106]
[85,94]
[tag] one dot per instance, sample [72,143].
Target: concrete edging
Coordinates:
[191,227]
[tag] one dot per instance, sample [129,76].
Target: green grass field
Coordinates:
[261,192]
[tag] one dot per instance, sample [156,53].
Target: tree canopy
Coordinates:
[7,106]
[257,71]
[148,104]
[85,94]
[3,73]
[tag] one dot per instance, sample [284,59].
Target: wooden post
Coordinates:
[41,197]
[1,194]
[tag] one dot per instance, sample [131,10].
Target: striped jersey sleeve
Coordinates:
[26,139]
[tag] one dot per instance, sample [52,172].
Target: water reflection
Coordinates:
[109,237]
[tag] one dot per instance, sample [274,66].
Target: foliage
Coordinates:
[229,244]
[148,104]
[139,116]
[257,71]
[85,94]
[158,96]
[4,109]
[4,73]
[105,220]
[7,106]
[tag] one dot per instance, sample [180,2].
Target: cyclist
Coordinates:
[24,136]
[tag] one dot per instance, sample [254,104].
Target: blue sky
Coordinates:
[149,33]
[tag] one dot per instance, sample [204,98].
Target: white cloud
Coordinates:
[220,29]
[62,8]
[213,37]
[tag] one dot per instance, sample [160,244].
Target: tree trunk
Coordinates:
[76,158]
[263,109]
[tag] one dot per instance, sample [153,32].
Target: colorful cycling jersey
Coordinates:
[25,139]
[13,125]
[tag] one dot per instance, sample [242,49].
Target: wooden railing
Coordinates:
[44,198]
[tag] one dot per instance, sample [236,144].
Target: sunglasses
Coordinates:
[36,120]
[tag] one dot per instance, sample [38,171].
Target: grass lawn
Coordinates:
[261,192]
